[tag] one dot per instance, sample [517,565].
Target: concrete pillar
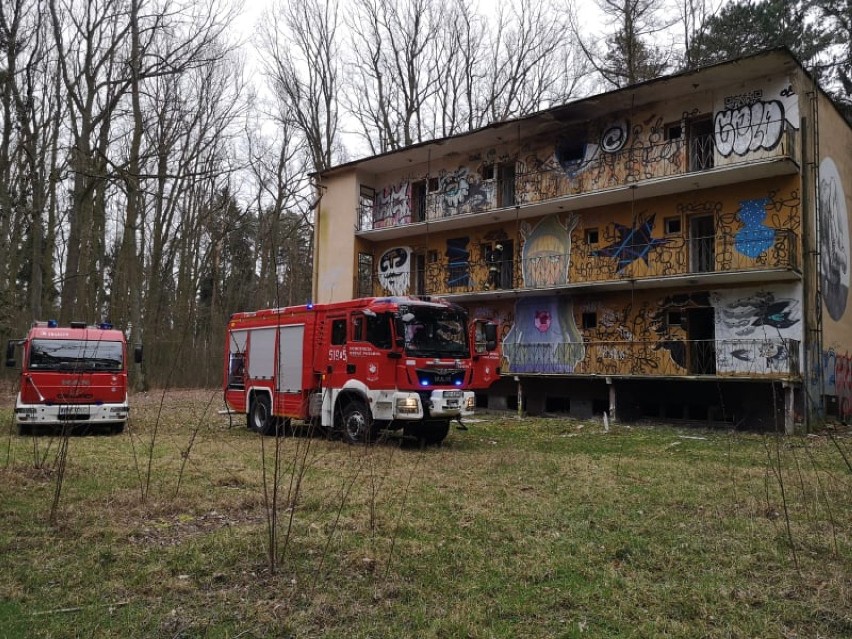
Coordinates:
[789,409]
[612,399]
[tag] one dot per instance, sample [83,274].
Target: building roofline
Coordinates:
[648,89]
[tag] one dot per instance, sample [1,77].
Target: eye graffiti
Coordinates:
[614,138]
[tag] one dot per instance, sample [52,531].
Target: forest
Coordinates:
[156,161]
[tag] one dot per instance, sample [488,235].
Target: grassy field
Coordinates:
[533,528]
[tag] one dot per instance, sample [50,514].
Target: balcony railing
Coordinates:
[676,255]
[771,358]
[539,180]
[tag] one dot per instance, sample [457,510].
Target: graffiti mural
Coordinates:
[395,270]
[749,128]
[758,328]
[458,262]
[754,120]
[614,137]
[829,362]
[544,337]
[670,338]
[632,243]
[613,161]
[393,206]
[755,237]
[463,191]
[843,384]
[546,252]
[834,240]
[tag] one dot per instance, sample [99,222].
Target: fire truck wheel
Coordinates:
[25,430]
[117,428]
[260,417]
[357,425]
[429,432]
[436,432]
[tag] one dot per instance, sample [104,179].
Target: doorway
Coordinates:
[701,144]
[702,244]
[701,337]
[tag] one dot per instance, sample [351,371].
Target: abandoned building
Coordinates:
[673,250]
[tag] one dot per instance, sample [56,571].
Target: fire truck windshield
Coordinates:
[76,355]
[434,332]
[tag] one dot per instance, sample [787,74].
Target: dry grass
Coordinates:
[540,528]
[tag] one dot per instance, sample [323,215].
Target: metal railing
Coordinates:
[672,256]
[537,180]
[771,358]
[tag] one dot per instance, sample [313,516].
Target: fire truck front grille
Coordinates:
[440,376]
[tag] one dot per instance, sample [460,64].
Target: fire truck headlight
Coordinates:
[470,403]
[407,406]
[25,413]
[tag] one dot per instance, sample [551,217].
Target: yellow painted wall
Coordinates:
[334,239]
[775,199]
[835,226]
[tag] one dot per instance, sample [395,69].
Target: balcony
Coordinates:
[535,186]
[693,260]
[771,358]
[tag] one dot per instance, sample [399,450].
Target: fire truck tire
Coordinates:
[428,432]
[260,417]
[356,423]
[24,430]
[440,432]
[116,428]
[436,432]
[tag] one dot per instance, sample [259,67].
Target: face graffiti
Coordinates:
[834,240]
[395,270]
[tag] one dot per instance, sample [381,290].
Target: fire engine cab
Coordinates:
[356,367]
[71,375]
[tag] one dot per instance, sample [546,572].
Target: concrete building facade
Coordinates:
[675,250]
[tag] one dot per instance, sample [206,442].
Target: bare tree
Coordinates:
[693,16]
[528,54]
[627,54]
[153,54]
[300,58]
[461,53]
[395,71]
[31,116]
[281,207]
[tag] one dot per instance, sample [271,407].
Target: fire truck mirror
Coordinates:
[10,355]
[137,354]
[490,337]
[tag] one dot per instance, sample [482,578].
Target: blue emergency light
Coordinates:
[52,323]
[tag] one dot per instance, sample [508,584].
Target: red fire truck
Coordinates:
[356,367]
[71,375]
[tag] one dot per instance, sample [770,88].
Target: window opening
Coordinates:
[338,332]
[671,225]
[418,201]
[506,185]
[365,275]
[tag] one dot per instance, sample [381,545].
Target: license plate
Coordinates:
[452,393]
[74,412]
